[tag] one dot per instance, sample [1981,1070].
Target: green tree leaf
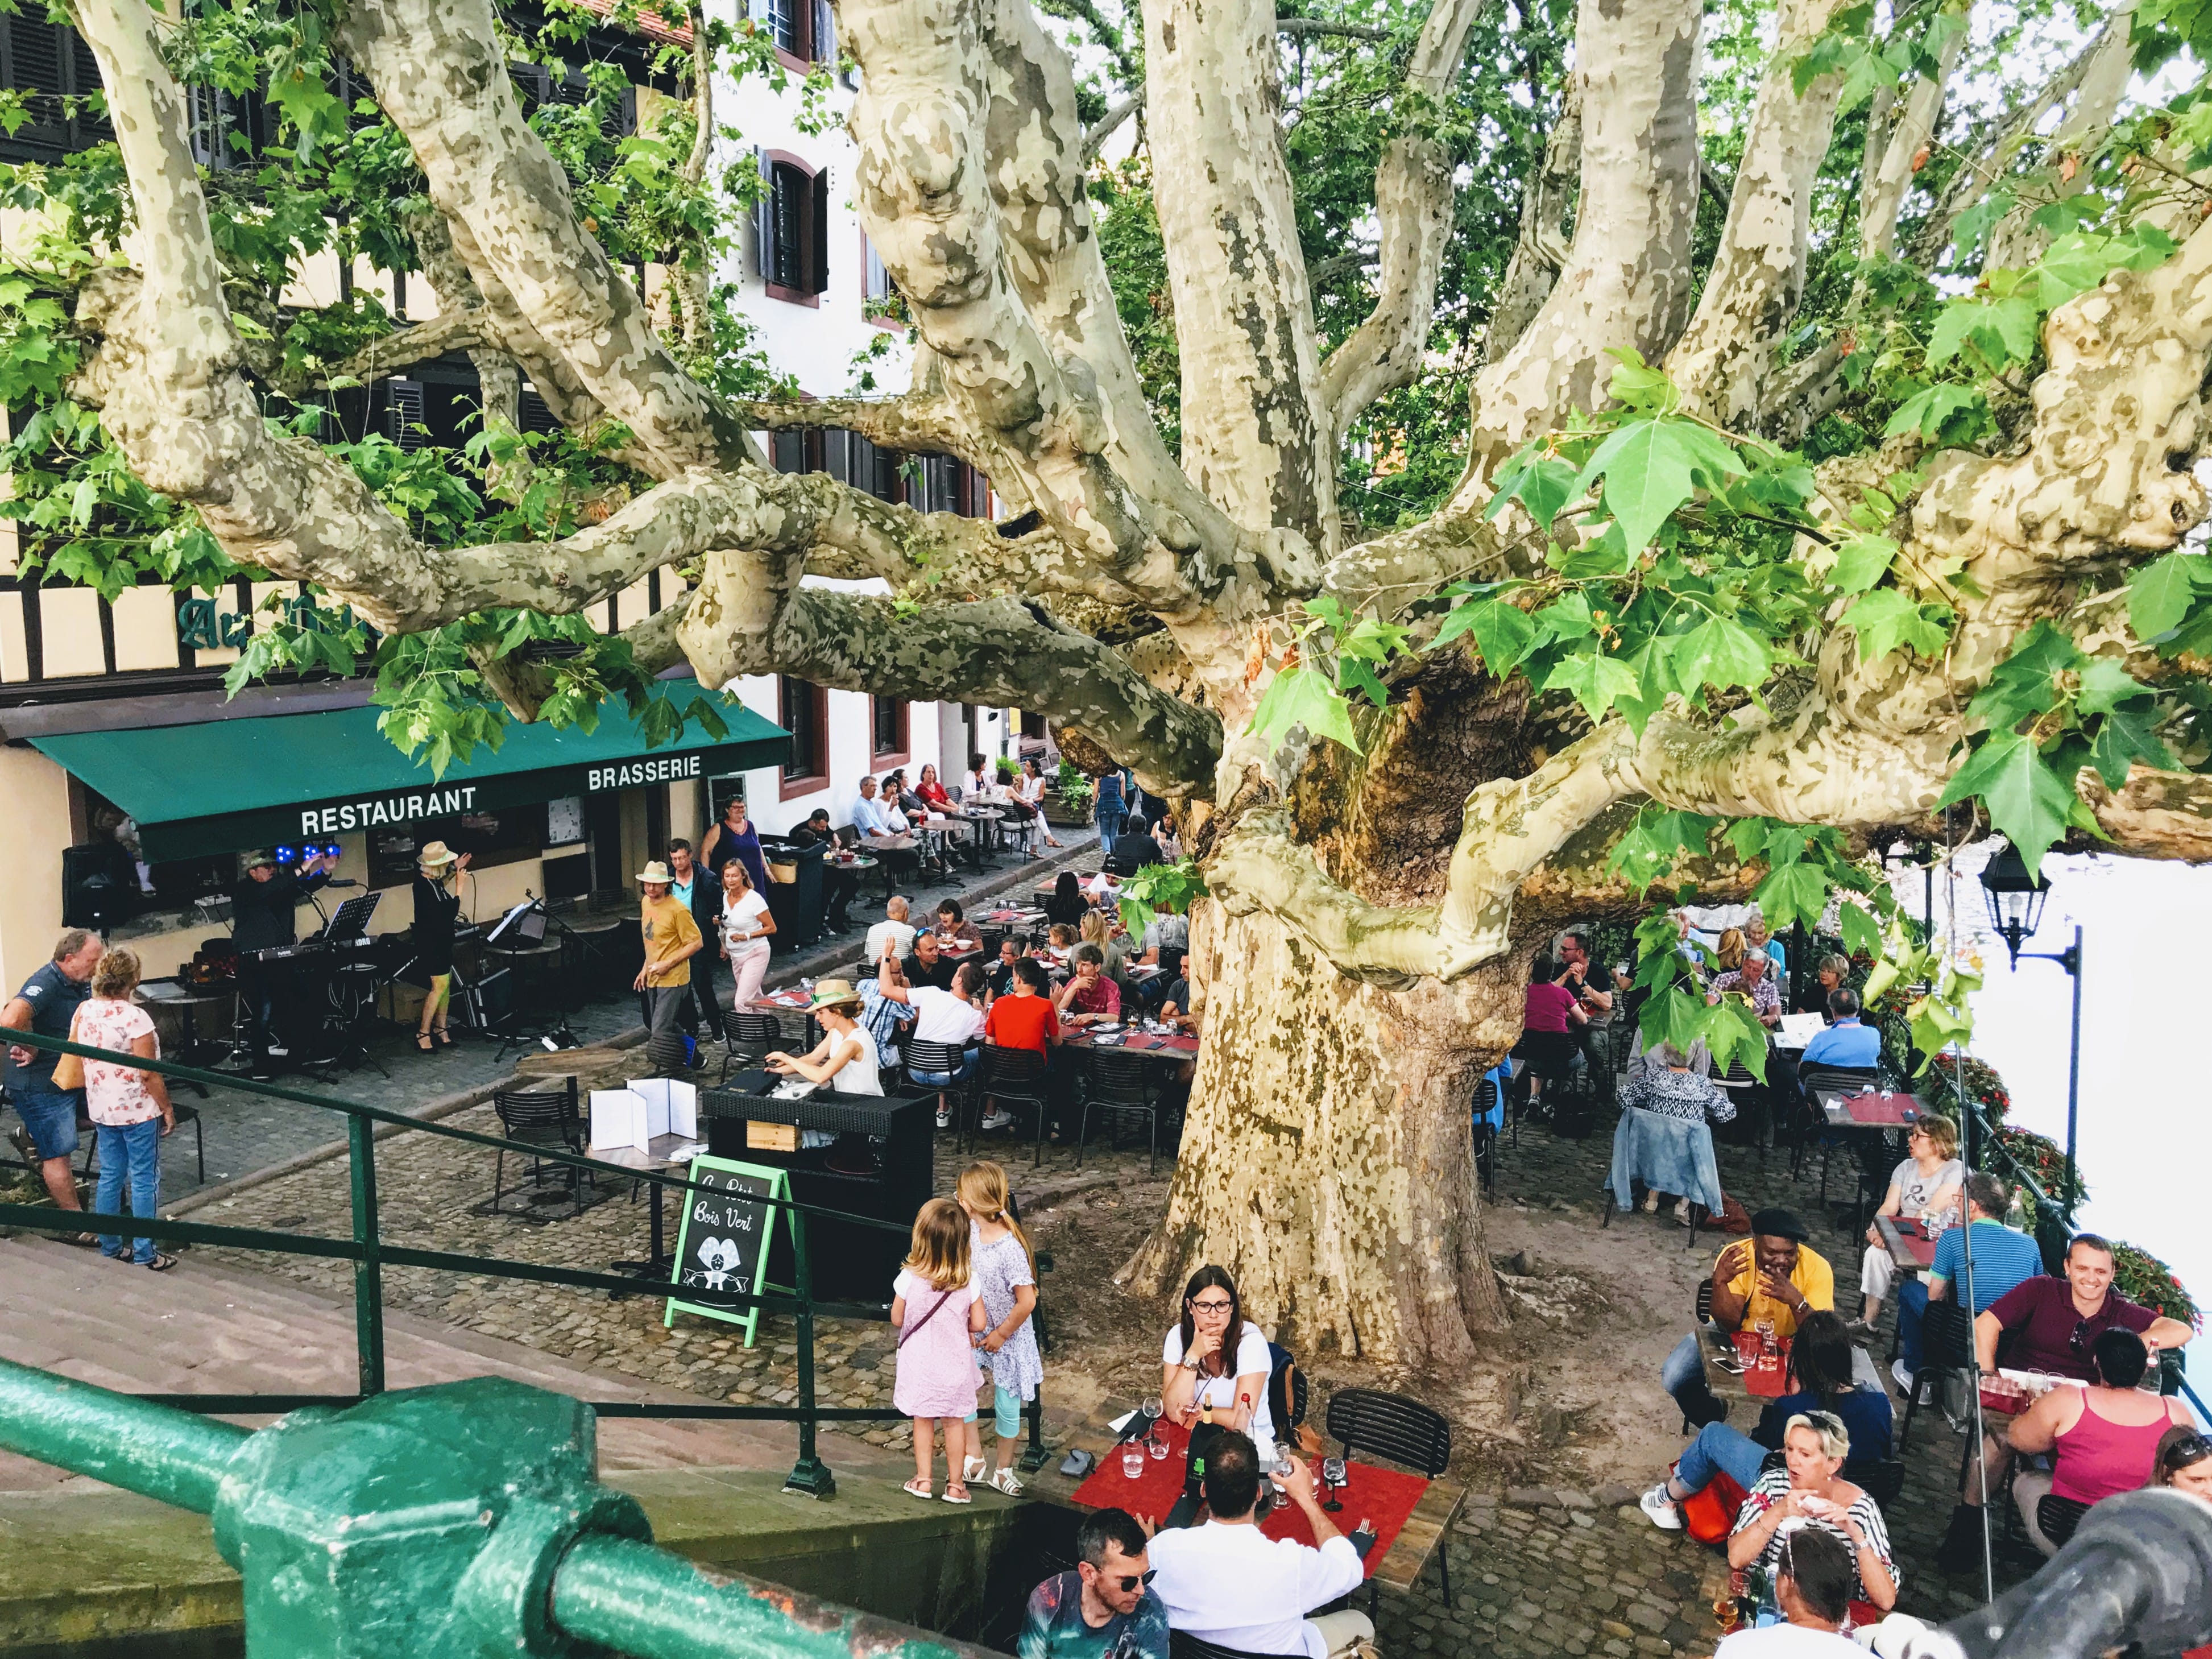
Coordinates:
[1861,932]
[2124,737]
[1861,562]
[2000,332]
[2026,682]
[2105,686]
[1721,653]
[2029,803]
[1595,679]
[1650,467]
[1886,619]
[2161,594]
[1304,696]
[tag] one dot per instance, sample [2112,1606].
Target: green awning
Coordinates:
[226,784]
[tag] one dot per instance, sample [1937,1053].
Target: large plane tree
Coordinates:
[1478,462]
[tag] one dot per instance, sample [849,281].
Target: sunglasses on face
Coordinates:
[1128,1581]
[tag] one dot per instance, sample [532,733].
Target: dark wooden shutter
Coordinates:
[818,265]
[92,127]
[825,33]
[764,216]
[36,55]
[404,413]
[534,415]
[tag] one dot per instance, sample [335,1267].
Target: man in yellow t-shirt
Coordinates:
[1773,1274]
[664,984]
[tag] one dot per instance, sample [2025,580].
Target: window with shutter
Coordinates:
[402,414]
[791,225]
[34,63]
[535,416]
[90,122]
[824,43]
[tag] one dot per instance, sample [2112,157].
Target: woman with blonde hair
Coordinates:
[1924,1187]
[1095,929]
[1005,1274]
[128,1105]
[436,907]
[938,1312]
[747,923]
[1809,1489]
[1729,957]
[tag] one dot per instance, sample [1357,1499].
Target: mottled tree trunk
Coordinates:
[1328,1162]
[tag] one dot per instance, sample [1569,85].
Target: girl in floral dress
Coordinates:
[1005,1274]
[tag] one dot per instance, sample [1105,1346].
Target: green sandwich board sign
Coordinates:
[722,1244]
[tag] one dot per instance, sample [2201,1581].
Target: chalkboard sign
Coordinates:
[722,1244]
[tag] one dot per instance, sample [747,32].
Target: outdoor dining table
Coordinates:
[1172,1046]
[1867,1110]
[653,1160]
[1910,1245]
[1761,1378]
[1387,1499]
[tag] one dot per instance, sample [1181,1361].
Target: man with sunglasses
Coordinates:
[1106,1609]
[2050,1325]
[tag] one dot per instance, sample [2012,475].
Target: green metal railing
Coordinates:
[370,1255]
[449,1522]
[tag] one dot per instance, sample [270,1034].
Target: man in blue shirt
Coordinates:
[1846,1042]
[2003,1259]
[1107,1608]
[47,1004]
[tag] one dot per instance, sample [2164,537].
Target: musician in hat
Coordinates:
[672,939]
[261,920]
[437,907]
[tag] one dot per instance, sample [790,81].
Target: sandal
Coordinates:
[422,1040]
[81,1241]
[956,1491]
[919,1487]
[1007,1481]
[972,1468]
[160,1264]
[445,1037]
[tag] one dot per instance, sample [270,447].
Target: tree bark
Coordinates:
[1328,1160]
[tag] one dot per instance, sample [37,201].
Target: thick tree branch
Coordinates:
[913,424]
[1414,205]
[2157,815]
[1541,252]
[1109,124]
[440,73]
[1297,28]
[1758,275]
[751,616]
[1255,434]
[1893,150]
[1627,283]
[450,331]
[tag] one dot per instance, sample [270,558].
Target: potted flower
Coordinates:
[1069,800]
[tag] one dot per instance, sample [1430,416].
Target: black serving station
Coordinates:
[878,1165]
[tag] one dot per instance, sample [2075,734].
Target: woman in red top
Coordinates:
[1552,1010]
[931,791]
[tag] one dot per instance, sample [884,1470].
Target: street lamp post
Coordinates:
[2015,899]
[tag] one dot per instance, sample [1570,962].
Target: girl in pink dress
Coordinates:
[939,1311]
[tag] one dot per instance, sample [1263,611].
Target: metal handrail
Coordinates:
[370,1254]
[556,1557]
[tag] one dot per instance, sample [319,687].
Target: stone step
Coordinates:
[203,1329]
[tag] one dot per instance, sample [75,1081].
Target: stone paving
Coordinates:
[1550,1555]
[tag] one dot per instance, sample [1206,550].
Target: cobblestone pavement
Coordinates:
[1558,1426]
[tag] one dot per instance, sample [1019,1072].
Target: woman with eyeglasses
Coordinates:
[1924,1187]
[1215,1364]
[2184,1461]
[1810,1491]
[2106,1435]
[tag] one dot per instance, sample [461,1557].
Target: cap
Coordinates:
[1780,1224]
[260,856]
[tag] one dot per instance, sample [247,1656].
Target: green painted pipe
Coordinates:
[643,1601]
[155,1451]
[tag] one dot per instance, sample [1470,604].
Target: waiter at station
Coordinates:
[261,912]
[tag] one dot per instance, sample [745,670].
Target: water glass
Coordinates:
[1157,1443]
[1133,1459]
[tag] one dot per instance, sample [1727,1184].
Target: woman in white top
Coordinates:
[845,1059]
[746,925]
[1215,1362]
[1029,790]
[979,782]
[1924,1187]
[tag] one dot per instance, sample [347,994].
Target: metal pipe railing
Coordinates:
[168,1455]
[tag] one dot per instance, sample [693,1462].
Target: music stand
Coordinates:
[522,927]
[351,921]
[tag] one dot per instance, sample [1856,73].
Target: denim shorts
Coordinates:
[51,1116]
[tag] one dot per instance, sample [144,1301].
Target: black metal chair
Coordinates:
[1013,1077]
[86,1133]
[1288,1396]
[1947,1343]
[1813,1123]
[1403,1431]
[1486,1133]
[539,1118]
[942,1060]
[1120,1084]
[747,1037]
[2056,1518]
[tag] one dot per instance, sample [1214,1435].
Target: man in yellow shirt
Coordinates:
[1774,1275]
[664,984]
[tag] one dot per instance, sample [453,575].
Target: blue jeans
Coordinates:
[1720,1449]
[1110,820]
[1683,1375]
[945,1079]
[133,1150]
[1911,1312]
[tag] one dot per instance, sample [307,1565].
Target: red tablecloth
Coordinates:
[1182,1045]
[1872,1108]
[1922,1246]
[1383,1497]
[1769,1380]
[782,1001]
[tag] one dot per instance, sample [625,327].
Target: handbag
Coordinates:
[68,1069]
[917,1325]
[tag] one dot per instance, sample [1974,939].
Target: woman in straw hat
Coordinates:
[845,1059]
[436,906]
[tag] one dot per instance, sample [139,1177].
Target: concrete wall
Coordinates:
[36,792]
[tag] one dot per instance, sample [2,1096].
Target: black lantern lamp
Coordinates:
[2016,900]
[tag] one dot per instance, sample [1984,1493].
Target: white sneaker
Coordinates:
[1905,1379]
[1662,1510]
[999,1121]
[945,1120]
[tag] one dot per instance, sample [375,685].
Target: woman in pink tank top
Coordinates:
[2104,1434]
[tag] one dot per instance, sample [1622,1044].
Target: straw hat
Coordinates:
[829,992]
[656,872]
[435,856]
